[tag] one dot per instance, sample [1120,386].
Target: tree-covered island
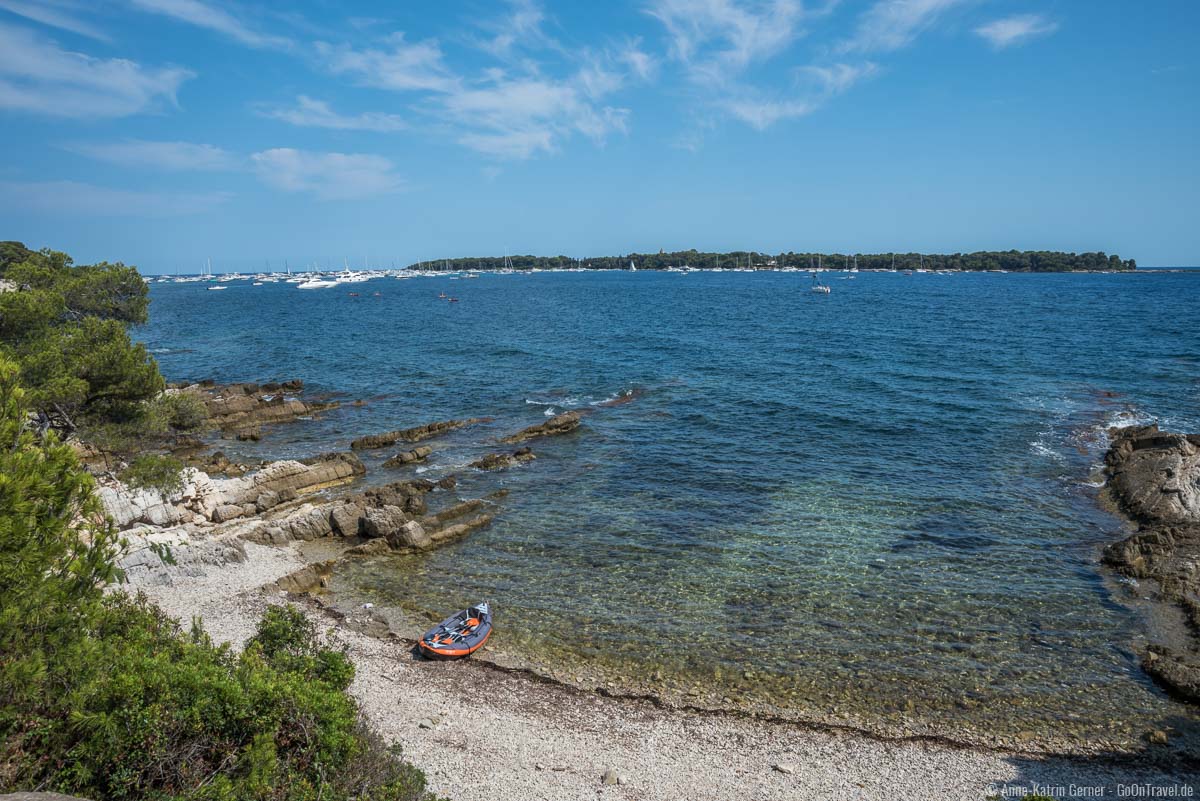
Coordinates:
[1016,261]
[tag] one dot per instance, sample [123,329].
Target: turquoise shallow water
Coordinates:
[876,502]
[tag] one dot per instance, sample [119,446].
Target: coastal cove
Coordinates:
[875,508]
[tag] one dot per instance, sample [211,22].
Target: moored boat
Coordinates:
[459,635]
[316,283]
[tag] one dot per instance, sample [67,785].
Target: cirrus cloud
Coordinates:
[892,24]
[399,65]
[502,113]
[45,13]
[38,76]
[139,153]
[202,15]
[57,198]
[1015,30]
[311,113]
[330,176]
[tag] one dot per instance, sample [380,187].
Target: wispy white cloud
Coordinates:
[837,78]
[61,198]
[641,65]
[509,112]
[46,13]
[762,114]
[38,76]
[325,175]
[1015,30]
[893,24]
[311,113]
[174,156]
[815,86]
[722,45]
[399,66]
[716,40]
[516,118]
[203,15]
[331,176]
[520,28]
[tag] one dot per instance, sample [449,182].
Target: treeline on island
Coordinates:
[1017,261]
[101,694]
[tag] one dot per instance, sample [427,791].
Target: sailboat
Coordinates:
[632,266]
[208,276]
[818,287]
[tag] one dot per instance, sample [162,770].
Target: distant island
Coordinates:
[1016,261]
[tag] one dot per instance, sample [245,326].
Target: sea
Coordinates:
[877,507]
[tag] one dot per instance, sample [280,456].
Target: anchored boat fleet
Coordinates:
[314,278]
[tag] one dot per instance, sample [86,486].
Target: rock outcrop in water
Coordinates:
[1155,475]
[500,461]
[403,458]
[206,523]
[376,441]
[559,424]
[1154,478]
[244,408]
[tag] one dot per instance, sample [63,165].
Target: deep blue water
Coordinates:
[877,499]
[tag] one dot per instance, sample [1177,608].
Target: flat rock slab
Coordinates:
[416,434]
[559,424]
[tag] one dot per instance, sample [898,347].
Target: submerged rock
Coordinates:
[306,579]
[369,548]
[559,424]
[458,530]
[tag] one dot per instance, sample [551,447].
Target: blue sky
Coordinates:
[165,132]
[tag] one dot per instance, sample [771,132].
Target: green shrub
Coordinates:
[154,471]
[143,710]
[182,411]
[150,424]
[103,696]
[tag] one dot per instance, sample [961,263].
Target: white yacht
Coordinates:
[316,283]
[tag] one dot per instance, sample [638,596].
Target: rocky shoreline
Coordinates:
[221,505]
[1153,479]
[279,530]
